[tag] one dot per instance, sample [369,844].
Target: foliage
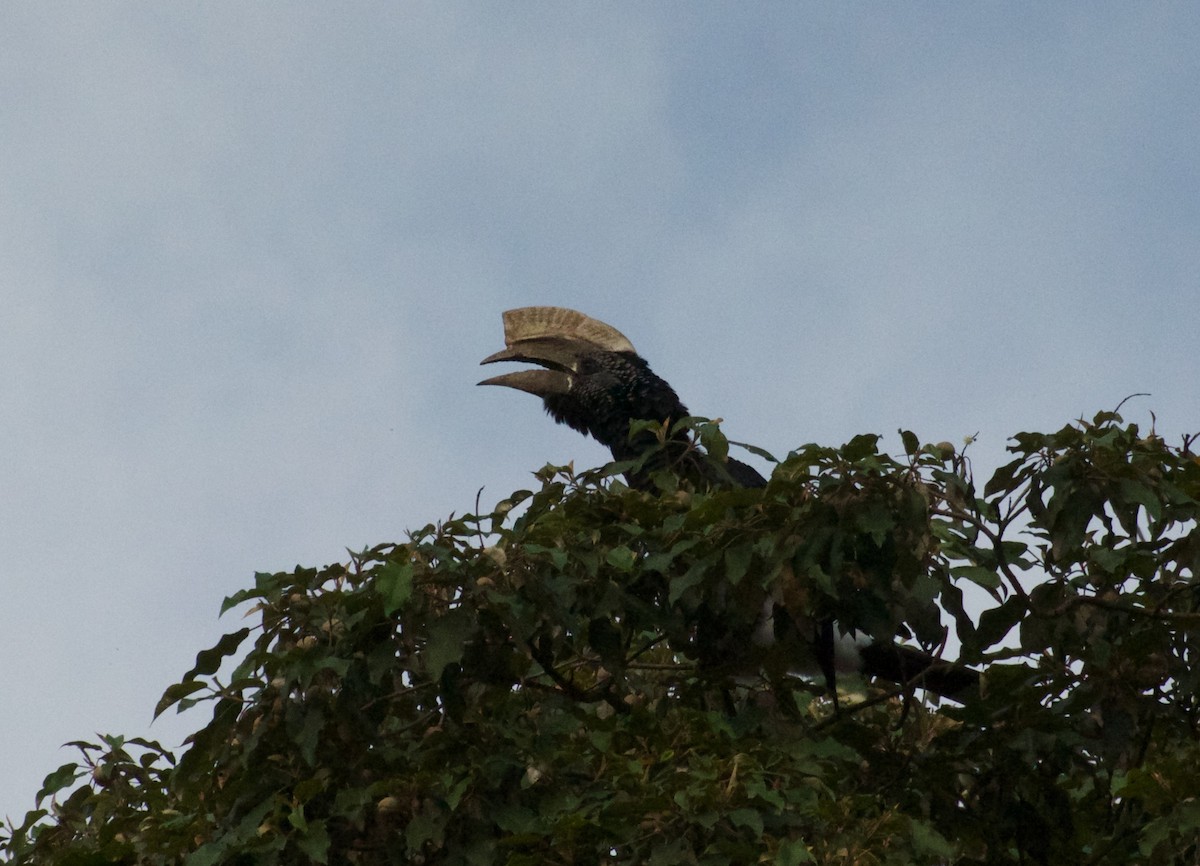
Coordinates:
[572,680]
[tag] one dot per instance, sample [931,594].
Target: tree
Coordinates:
[528,685]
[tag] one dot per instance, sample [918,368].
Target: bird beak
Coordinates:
[556,354]
[553,353]
[540,383]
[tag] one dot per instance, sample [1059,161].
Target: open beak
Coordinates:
[557,355]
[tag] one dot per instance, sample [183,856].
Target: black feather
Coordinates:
[611,390]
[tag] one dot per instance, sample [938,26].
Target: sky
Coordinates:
[251,255]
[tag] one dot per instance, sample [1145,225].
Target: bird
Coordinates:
[592,379]
[595,382]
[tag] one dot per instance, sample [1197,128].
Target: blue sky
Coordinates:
[250,257]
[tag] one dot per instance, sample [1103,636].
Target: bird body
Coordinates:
[593,380]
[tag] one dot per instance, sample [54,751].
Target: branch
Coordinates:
[570,689]
[997,546]
[1185,619]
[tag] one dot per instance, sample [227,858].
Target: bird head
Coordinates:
[591,377]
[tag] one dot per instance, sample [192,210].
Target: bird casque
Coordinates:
[593,380]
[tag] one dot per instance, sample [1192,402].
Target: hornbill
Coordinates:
[593,380]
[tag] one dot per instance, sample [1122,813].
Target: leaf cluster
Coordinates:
[574,677]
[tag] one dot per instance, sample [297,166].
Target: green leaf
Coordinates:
[394,581]
[691,578]
[1002,479]
[877,520]
[978,575]
[863,445]
[423,827]
[238,597]
[314,842]
[748,818]
[658,562]
[930,842]
[712,439]
[952,600]
[737,562]
[455,791]
[309,788]
[1143,495]
[995,623]
[309,735]
[56,781]
[176,693]
[208,854]
[793,852]
[209,661]
[447,638]
[756,451]
[621,558]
